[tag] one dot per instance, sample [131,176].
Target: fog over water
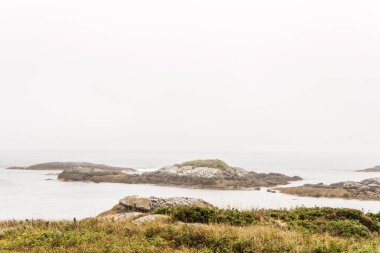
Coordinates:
[197,76]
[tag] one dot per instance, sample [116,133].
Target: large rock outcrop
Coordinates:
[150,204]
[96,175]
[136,206]
[368,189]
[213,174]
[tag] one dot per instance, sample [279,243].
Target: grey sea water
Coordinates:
[38,194]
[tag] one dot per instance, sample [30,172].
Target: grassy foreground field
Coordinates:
[194,229]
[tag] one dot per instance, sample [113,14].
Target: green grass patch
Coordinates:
[218,164]
[335,221]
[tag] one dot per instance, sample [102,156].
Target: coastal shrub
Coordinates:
[326,219]
[336,221]
[375,216]
[207,215]
[347,228]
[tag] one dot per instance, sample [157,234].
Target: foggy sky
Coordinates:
[190,75]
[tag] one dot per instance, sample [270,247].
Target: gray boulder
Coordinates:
[142,204]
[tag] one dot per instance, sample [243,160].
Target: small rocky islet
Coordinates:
[368,189]
[69,165]
[373,169]
[211,174]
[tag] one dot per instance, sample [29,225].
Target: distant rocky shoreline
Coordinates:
[368,189]
[211,174]
[373,169]
[69,165]
[208,174]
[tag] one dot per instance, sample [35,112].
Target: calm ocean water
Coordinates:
[34,194]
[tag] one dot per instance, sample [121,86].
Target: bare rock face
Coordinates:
[202,169]
[374,169]
[368,189]
[213,174]
[137,207]
[69,165]
[142,204]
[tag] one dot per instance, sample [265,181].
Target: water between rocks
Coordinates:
[38,194]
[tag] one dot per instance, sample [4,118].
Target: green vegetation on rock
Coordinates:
[217,164]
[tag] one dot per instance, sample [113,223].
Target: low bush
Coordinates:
[336,221]
[207,215]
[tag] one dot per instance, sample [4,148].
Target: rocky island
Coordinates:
[368,189]
[373,169]
[70,165]
[213,174]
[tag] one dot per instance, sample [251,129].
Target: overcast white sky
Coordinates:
[190,75]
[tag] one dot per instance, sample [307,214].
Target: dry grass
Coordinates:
[197,229]
[94,235]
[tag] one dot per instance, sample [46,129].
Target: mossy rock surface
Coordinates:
[211,163]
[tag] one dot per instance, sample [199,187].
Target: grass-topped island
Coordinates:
[212,174]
